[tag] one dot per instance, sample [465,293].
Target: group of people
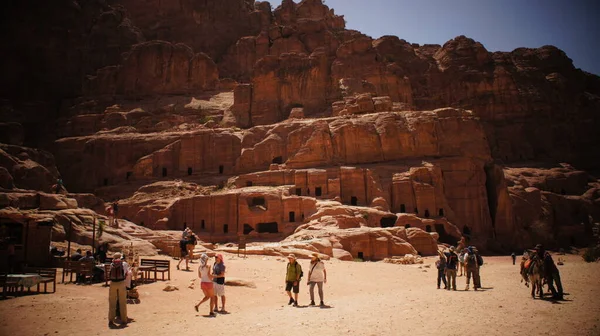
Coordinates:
[186,246]
[79,256]
[317,276]
[467,261]
[212,283]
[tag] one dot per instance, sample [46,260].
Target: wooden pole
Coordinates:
[69,241]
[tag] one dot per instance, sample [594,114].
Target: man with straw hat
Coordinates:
[316,276]
[117,292]
[292,279]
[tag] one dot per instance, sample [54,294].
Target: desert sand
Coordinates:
[363,298]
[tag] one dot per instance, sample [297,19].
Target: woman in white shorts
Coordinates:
[219,282]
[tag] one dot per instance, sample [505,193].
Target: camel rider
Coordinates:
[551,273]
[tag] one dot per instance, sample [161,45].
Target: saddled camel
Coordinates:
[536,275]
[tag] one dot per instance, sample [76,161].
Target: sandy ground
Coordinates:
[364,299]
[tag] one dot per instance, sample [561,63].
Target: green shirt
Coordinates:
[293,271]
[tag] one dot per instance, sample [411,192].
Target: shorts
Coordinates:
[290,284]
[206,285]
[219,289]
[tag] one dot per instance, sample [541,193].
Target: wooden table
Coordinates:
[24,280]
[146,272]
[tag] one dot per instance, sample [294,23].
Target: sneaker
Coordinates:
[322,304]
[312,303]
[295,304]
[291,301]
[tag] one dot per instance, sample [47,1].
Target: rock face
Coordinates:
[284,125]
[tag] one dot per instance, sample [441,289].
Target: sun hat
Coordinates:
[117,255]
[291,255]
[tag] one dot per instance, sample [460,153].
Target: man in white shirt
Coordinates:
[317,275]
[118,292]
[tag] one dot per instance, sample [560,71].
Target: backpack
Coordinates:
[471,259]
[452,260]
[117,272]
[479,260]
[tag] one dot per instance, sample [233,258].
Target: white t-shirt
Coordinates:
[318,272]
[204,271]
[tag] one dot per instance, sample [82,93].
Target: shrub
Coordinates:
[592,254]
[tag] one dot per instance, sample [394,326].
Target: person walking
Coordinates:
[206,284]
[472,268]
[219,282]
[117,293]
[316,276]
[440,264]
[514,257]
[551,273]
[292,279]
[183,248]
[461,262]
[451,265]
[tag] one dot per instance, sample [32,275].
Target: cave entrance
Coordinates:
[278,160]
[267,227]
[318,191]
[428,228]
[225,228]
[353,200]
[407,226]
[441,213]
[444,236]
[164,172]
[202,225]
[466,231]
[299,191]
[221,169]
[190,171]
[292,216]
[360,256]
[426,213]
[402,208]
[248,183]
[387,222]
[258,201]
[248,229]
[128,175]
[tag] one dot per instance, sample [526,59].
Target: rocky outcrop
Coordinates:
[27,168]
[155,68]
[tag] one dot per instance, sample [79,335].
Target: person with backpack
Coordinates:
[292,279]
[472,265]
[440,264]
[117,292]
[451,265]
[316,276]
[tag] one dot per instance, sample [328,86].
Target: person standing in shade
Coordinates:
[316,276]
[117,292]
[292,279]
[514,257]
[219,282]
[440,264]
[451,265]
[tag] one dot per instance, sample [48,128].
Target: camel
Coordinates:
[536,275]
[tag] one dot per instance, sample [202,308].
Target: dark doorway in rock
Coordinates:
[142,223]
[466,231]
[402,208]
[308,191]
[248,229]
[416,211]
[128,175]
[258,201]
[185,225]
[221,169]
[387,222]
[441,213]
[292,216]
[318,191]
[360,256]
[267,227]
[225,228]
[563,192]
[444,236]
[353,200]
[105,182]
[164,172]
[428,228]
[248,183]
[407,226]
[202,225]
[299,191]
[190,170]
[426,213]
[278,160]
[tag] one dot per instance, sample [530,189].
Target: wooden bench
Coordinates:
[86,270]
[7,285]
[48,276]
[162,266]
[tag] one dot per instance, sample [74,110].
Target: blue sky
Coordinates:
[501,25]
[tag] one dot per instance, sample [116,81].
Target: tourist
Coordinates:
[440,264]
[206,284]
[316,276]
[183,248]
[292,279]
[117,293]
[451,265]
[461,262]
[551,273]
[472,268]
[191,245]
[219,282]
[514,257]
[101,253]
[77,255]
